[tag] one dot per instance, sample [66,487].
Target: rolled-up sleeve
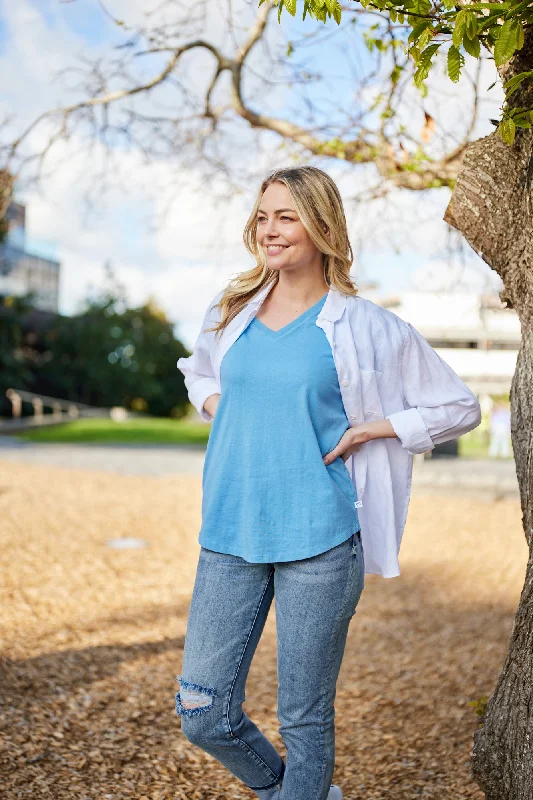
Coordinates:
[197,369]
[439,405]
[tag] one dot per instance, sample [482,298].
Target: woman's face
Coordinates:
[280,233]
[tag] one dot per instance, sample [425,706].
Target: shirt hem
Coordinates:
[347,532]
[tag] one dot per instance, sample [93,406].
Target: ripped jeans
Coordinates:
[315,600]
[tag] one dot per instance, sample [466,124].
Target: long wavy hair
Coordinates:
[317,199]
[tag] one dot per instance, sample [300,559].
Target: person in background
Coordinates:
[500,430]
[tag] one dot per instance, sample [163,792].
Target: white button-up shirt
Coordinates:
[386,370]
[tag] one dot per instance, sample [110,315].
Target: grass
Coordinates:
[153,430]
[162,430]
[475,444]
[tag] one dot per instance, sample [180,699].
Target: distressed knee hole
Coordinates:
[193,699]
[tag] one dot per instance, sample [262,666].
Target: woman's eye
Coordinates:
[262,219]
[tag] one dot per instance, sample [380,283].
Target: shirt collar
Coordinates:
[332,309]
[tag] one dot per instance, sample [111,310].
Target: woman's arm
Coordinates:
[354,437]
[210,405]
[439,405]
[200,380]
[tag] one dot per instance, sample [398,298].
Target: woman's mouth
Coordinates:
[275,249]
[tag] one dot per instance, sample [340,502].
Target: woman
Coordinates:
[319,399]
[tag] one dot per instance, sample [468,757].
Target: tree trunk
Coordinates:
[492,205]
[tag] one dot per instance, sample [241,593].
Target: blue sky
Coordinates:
[84,17]
[183,263]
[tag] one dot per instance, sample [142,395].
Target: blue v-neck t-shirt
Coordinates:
[267,496]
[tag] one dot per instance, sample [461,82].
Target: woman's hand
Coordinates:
[211,403]
[353,438]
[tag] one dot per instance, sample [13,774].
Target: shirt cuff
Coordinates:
[198,394]
[410,428]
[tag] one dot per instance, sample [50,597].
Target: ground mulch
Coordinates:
[92,642]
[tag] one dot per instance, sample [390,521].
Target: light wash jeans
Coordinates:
[315,600]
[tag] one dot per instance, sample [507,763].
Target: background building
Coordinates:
[473,333]
[22,272]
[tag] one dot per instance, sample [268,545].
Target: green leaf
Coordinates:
[417,31]
[507,130]
[459,29]
[513,83]
[456,61]
[507,42]
[517,8]
[424,64]
[514,112]
[395,74]
[521,35]
[425,38]
[471,26]
[428,53]
[487,22]
[472,46]
[500,7]
[290,5]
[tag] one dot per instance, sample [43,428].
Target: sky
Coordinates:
[184,257]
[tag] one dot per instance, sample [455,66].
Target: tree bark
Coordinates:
[492,205]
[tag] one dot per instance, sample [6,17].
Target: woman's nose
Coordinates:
[271,229]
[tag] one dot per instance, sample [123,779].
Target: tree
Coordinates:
[125,96]
[106,355]
[6,193]
[17,357]
[114,355]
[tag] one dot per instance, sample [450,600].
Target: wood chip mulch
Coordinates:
[92,642]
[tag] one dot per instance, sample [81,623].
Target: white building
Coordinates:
[474,333]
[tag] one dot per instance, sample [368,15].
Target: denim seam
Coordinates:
[327,676]
[327,673]
[244,744]
[270,785]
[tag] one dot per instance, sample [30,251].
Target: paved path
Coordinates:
[123,459]
[496,477]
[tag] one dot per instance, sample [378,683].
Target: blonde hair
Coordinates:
[317,200]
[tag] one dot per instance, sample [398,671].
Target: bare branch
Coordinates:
[352,136]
